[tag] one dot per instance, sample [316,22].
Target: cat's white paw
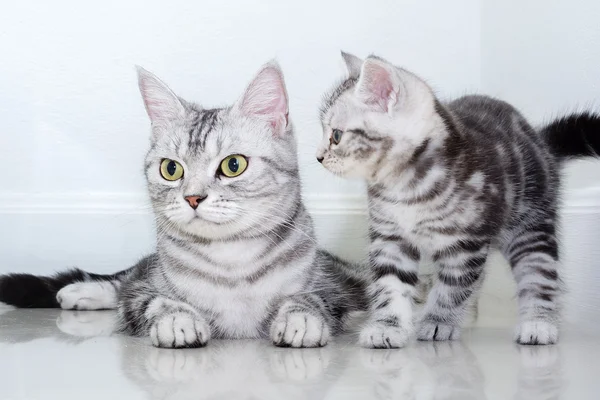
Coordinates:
[382,335]
[430,330]
[536,332]
[87,296]
[299,329]
[179,330]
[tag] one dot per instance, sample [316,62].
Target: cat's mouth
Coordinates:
[208,218]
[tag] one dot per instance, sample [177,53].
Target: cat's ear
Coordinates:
[160,101]
[353,64]
[379,84]
[266,98]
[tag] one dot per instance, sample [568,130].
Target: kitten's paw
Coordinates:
[299,329]
[430,330]
[536,332]
[179,330]
[383,335]
[87,296]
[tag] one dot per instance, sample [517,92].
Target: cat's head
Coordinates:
[224,172]
[375,120]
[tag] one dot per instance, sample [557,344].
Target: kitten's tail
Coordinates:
[31,291]
[574,136]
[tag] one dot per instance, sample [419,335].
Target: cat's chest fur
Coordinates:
[233,284]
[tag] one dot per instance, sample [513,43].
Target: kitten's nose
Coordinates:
[194,200]
[320,159]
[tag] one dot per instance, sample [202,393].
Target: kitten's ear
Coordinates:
[160,101]
[353,64]
[379,84]
[266,98]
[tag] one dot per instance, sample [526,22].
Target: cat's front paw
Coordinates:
[179,330]
[536,332]
[383,334]
[299,329]
[432,330]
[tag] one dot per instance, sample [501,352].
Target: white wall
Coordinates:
[544,57]
[74,131]
[72,117]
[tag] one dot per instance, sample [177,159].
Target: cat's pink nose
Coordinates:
[194,200]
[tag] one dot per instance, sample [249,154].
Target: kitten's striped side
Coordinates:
[452,182]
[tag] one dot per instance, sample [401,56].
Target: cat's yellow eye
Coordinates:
[171,170]
[234,165]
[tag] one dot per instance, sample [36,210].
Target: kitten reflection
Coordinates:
[456,371]
[426,370]
[540,375]
[238,369]
[396,374]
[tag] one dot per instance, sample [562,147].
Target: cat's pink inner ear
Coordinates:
[377,85]
[161,103]
[266,98]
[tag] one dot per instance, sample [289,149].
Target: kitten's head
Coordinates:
[224,172]
[375,120]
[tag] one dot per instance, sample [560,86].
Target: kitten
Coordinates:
[236,252]
[448,182]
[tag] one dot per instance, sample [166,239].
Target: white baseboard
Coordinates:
[138,203]
[581,201]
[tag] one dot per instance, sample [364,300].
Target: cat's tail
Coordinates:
[32,291]
[574,136]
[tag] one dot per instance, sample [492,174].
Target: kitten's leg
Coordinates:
[533,256]
[301,321]
[170,323]
[394,264]
[460,274]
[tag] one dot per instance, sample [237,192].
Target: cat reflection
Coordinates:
[240,369]
[22,326]
[250,369]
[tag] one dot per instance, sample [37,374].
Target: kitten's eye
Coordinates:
[233,165]
[336,136]
[171,170]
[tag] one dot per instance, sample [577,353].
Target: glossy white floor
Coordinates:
[53,354]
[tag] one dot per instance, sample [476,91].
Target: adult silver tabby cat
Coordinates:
[448,182]
[236,253]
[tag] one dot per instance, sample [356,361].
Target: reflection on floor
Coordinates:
[52,354]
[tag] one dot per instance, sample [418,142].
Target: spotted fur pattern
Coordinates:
[447,183]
